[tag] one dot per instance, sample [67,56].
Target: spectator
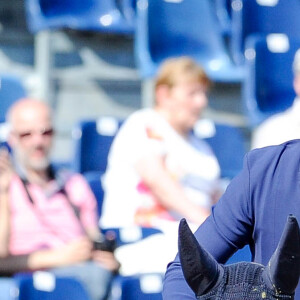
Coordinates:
[158,171]
[283,126]
[48,217]
[252,211]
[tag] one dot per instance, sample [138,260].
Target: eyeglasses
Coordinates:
[47,132]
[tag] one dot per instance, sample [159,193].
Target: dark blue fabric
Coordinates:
[253,211]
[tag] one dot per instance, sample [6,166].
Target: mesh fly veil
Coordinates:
[211,280]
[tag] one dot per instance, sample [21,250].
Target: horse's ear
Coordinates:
[283,269]
[200,269]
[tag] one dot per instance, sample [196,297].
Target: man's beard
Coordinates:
[33,164]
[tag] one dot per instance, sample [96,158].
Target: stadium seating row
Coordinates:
[266,89]
[47,286]
[147,21]
[228,37]
[44,285]
[188,27]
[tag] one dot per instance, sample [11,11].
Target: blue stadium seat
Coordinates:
[128,8]
[262,17]
[268,86]
[227,142]
[141,287]
[11,89]
[93,15]
[44,16]
[174,28]
[7,288]
[92,141]
[223,12]
[46,286]
[94,180]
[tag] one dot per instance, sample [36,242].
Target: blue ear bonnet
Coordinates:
[244,280]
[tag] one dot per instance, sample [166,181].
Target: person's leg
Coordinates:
[95,279]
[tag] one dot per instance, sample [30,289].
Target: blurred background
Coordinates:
[87,73]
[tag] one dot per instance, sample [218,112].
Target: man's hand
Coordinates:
[106,259]
[74,252]
[6,170]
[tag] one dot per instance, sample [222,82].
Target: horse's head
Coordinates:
[211,280]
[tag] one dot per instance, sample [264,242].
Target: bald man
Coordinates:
[48,218]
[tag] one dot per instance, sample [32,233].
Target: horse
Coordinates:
[210,280]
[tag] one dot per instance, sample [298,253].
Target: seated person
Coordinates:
[158,170]
[48,217]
